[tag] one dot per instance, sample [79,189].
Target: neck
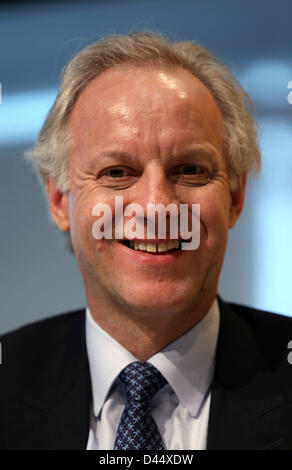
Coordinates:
[145,335]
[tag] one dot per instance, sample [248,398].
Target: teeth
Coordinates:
[140,245]
[162,247]
[176,244]
[153,247]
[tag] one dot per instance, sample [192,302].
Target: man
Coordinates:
[157,360]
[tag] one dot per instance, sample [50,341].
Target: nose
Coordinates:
[156,193]
[155,187]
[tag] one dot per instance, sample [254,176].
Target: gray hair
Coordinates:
[51,153]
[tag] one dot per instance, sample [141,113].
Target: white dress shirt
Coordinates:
[180,409]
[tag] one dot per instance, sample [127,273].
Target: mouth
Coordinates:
[158,247]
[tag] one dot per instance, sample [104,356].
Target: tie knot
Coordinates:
[142,381]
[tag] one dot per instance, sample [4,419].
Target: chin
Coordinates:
[153,302]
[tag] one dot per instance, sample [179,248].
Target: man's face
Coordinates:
[150,135]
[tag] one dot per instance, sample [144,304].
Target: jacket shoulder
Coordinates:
[41,332]
[272,332]
[264,323]
[26,349]
[44,385]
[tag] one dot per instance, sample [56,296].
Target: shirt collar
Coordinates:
[187,363]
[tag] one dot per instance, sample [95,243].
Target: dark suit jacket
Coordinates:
[45,390]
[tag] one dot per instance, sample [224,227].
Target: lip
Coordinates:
[150,258]
[152,240]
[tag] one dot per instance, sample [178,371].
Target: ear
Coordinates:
[58,204]
[237,201]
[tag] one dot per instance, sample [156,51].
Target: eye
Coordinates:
[190,174]
[117,172]
[191,170]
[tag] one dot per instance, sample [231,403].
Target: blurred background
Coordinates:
[38,277]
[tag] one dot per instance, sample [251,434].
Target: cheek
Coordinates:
[86,229]
[215,221]
[81,222]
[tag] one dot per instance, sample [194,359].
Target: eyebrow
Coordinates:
[204,150]
[114,155]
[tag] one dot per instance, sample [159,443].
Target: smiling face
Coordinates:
[150,135]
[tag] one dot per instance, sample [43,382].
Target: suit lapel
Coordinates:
[68,420]
[55,407]
[245,411]
[68,412]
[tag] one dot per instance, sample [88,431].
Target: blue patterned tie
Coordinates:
[137,429]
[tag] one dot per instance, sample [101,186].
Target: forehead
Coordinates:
[143,99]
